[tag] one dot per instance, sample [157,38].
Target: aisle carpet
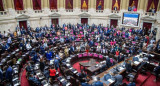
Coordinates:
[24,81]
[140,79]
[150,82]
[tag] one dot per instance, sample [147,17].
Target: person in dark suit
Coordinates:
[72,49]
[9,72]
[128,66]
[42,65]
[120,57]
[34,80]
[98,82]
[1,75]
[29,68]
[118,79]
[108,62]
[157,71]
[56,63]
[85,83]
[131,83]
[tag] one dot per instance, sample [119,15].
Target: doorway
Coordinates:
[55,21]
[23,23]
[146,27]
[114,22]
[84,20]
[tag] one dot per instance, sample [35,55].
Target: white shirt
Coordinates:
[28,46]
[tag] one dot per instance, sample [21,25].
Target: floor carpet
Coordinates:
[24,81]
[142,80]
[150,82]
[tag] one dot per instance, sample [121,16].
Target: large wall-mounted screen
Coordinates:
[130,19]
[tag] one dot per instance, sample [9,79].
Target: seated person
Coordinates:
[129,8]
[131,83]
[34,79]
[82,76]
[28,46]
[135,59]
[109,62]
[157,71]
[120,57]
[107,76]
[118,79]
[97,83]
[85,83]
[29,68]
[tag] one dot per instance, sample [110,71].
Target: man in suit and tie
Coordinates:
[118,78]
[9,72]
[72,49]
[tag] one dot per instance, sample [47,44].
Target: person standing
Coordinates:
[157,71]
[52,73]
[1,75]
[9,72]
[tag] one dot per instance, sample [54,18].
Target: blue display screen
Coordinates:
[131,19]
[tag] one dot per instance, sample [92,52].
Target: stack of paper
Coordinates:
[110,80]
[136,62]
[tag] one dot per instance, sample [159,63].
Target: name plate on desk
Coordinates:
[110,80]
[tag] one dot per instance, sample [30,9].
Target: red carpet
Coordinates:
[144,80]
[150,82]
[77,66]
[24,81]
[141,79]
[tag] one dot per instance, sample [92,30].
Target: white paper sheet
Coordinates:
[110,80]
[136,62]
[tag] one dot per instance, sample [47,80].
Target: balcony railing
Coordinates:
[150,14]
[38,11]
[69,10]
[2,13]
[54,10]
[115,11]
[20,11]
[84,10]
[99,11]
